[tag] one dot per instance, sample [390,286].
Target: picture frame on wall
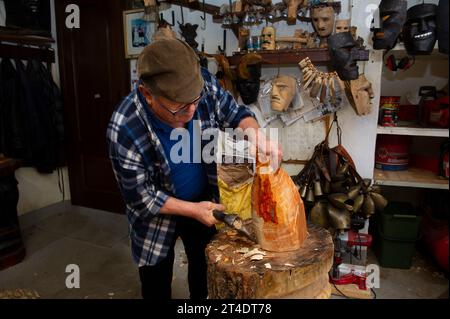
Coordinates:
[137,32]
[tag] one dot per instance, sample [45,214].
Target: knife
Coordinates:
[234,221]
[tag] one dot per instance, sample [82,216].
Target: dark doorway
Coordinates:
[94,78]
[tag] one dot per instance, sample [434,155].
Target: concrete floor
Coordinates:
[97,242]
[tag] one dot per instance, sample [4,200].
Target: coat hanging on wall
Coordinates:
[31,124]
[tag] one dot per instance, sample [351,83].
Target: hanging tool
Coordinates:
[235,222]
[182,16]
[223,51]
[203,27]
[161,18]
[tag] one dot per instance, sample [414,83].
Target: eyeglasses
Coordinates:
[183,107]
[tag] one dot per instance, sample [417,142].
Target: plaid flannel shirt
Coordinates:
[142,169]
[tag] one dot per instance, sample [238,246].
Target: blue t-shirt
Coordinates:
[188,177]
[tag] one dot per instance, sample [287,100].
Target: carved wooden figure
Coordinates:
[342,26]
[323,21]
[268,35]
[292,6]
[278,211]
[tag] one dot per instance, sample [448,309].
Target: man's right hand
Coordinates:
[204,212]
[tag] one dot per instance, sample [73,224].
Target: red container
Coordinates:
[389,108]
[408,114]
[429,163]
[436,112]
[392,152]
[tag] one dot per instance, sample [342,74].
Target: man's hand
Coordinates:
[266,147]
[204,212]
[270,150]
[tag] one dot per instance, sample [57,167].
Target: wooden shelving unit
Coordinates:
[413,131]
[412,177]
[280,57]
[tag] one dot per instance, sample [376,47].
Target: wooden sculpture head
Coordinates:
[283,91]
[323,20]
[268,38]
[342,26]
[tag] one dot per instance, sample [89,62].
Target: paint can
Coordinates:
[392,152]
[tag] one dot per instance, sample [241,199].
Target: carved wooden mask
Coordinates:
[268,38]
[283,91]
[323,20]
[342,26]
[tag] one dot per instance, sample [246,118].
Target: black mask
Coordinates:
[249,88]
[443,26]
[344,54]
[393,17]
[419,31]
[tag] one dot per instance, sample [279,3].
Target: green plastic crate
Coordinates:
[400,220]
[393,252]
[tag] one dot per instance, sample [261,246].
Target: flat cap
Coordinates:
[170,68]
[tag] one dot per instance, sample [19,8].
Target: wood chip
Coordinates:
[219,257]
[252,267]
[289,265]
[257,257]
[243,250]
[268,266]
[254,252]
[231,232]
[223,247]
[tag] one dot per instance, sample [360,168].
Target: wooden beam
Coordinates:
[208,8]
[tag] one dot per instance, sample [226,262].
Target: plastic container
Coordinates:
[400,220]
[392,152]
[394,252]
[396,233]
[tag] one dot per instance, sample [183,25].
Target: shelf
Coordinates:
[412,177]
[413,131]
[400,47]
[26,39]
[283,57]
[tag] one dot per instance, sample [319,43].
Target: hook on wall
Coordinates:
[161,18]
[182,15]
[203,26]
[224,44]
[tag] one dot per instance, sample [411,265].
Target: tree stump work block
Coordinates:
[302,273]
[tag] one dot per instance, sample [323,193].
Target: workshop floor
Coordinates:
[97,242]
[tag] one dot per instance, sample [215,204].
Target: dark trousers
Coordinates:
[156,281]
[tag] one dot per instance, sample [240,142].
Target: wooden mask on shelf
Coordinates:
[283,92]
[323,18]
[268,35]
[342,26]
[360,94]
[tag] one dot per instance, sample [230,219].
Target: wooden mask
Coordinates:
[342,26]
[323,20]
[268,38]
[283,91]
[361,93]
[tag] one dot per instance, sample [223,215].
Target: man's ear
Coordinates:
[148,97]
